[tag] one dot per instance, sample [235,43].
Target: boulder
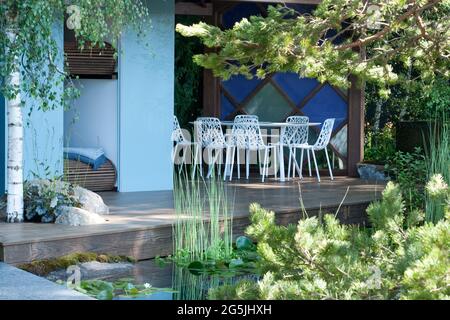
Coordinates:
[77,217]
[90,201]
[96,270]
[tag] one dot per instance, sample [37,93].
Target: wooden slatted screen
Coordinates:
[94,62]
[102,179]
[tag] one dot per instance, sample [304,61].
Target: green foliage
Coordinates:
[379,146]
[42,198]
[188,75]
[29,47]
[397,258]
[322,45]
[409,171]
[413,100]
[45,266]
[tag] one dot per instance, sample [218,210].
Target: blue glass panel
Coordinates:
[269,105]
[295,87]
[226,107]
[326,104]
[242,10]
[239,87]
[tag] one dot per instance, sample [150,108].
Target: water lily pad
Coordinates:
[196,267]
[244,243]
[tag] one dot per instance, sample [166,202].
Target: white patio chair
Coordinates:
[180,141]
[209,136]
[294,135]
[321,144]
[238,141]
[248,136]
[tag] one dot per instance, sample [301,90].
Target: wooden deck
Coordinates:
[140,223]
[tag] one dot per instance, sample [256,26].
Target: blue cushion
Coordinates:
[95,163]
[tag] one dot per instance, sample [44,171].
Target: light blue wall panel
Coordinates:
[146,101]
[2,144]
[43,131]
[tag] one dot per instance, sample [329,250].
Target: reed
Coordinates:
[203,226]
[438,163]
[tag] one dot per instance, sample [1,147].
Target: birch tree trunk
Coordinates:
[14,207]
[377,116]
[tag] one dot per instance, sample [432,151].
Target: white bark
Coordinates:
[376,124]
[15,148]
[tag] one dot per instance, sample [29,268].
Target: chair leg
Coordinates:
[274,150]
[238,163]
[289,162]
[294,156]
[232,162]
[227,163]
[309,162]
[315,163]
[301,163]
[195,160]
[264,164]
[247,163]
[328,162]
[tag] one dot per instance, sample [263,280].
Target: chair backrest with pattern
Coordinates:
[239,129]
[209,132]
[253,134]
[177,133]
[324,135]
[295,134]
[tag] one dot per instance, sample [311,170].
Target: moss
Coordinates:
[45,266]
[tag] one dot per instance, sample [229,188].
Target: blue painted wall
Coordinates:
[146,101]
[2,144]
[43,131]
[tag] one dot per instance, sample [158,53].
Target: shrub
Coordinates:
[42,198]
[398,258]
[379,146]
[410,172]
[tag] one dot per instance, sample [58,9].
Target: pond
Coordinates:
[171,282]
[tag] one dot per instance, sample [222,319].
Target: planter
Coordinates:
[370,171]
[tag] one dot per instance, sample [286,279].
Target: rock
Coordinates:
[370,171]
[77,217]
[90,201]
[95,269]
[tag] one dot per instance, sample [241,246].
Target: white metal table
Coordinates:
[267,124]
